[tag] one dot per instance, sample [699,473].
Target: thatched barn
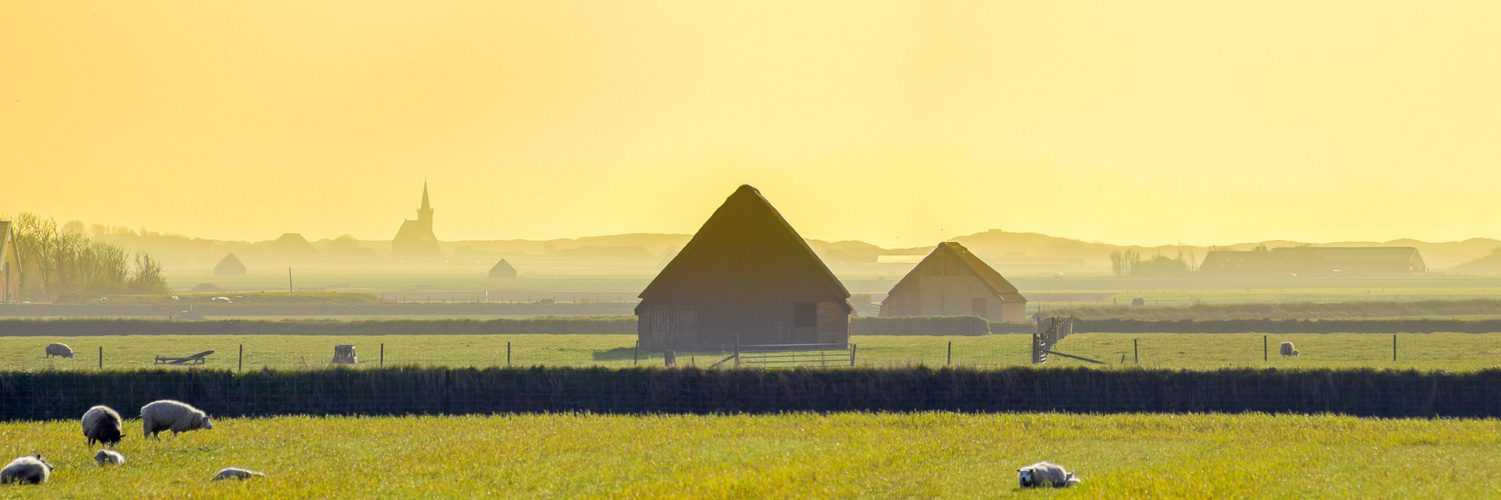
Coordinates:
[952,281]
[230,266]
[503,270]
[745,275]
[10,265]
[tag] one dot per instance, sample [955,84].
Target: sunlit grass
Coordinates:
[844,455]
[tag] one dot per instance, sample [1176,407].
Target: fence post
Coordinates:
[1394,347]
[242,358]
[383,354]
[1135,352]
[737,350]
[854,348]
[508,354]
[951,353]
[1264,352]
[636,354]
[101,357]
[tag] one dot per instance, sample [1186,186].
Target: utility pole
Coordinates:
[289,280]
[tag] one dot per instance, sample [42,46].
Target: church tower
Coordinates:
[425,214]
[415,239]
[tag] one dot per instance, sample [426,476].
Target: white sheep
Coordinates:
[236,473]
[29,469]
[106,457]
[169,415]
[1045,474]
[56,349]
[1287,349]
[102,424]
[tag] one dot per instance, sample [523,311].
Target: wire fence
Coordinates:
[1439,351]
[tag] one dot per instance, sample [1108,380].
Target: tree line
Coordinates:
[60,262]
[1129,264]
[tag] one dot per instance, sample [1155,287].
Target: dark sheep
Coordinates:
[102,424]
[29,469]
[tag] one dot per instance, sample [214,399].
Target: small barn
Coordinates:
[503,269]
[230,266]
[747,276]
[952,281]
[10,265]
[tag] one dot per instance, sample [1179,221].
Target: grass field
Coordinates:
[924,455]
[1438,351]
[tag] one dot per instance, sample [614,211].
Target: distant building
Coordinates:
[745,275]
[1315,262]
[951,281]
[10,265]
[503,269]
[229,266]
[292,246]
[415,239]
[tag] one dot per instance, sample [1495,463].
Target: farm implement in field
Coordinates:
[196,359]
[1045,339]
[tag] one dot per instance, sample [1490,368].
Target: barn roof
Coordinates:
[745,248]
[502,267]
[7,242]
[954,252]
[230,263]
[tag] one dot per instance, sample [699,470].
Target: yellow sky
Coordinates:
[898,123]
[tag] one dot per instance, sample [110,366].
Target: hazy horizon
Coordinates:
[893,123]
[315,238]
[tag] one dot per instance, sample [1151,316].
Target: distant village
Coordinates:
[973,264]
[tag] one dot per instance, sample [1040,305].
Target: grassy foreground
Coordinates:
[1437,351]
[921,455]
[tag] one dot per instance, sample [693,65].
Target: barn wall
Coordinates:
[1012,312]
[751,321]
[662,326]
[833,323]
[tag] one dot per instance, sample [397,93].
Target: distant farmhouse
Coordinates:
[415,239]
[951,281]
[503,270]
[747,276]
[292,246]
[10,265]
[230,266]
[1315,262]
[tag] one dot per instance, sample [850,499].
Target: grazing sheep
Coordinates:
[29,469]
[102,424]
[106,457]
[236,473]
[1287,349]
[55,349]
[1045,474]
[169,415]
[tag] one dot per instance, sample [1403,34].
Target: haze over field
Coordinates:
[895,123]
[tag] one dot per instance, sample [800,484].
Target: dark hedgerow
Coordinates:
[427,391]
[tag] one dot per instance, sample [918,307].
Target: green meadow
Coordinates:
[1429,352]
[845,455]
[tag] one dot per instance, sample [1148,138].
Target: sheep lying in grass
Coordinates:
[56,349]
[106,457]
[1045,474]
[1287,349]
[236,473]
[29,469]
[102,424]
[169,415]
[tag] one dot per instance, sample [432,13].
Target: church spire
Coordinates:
[424,197]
